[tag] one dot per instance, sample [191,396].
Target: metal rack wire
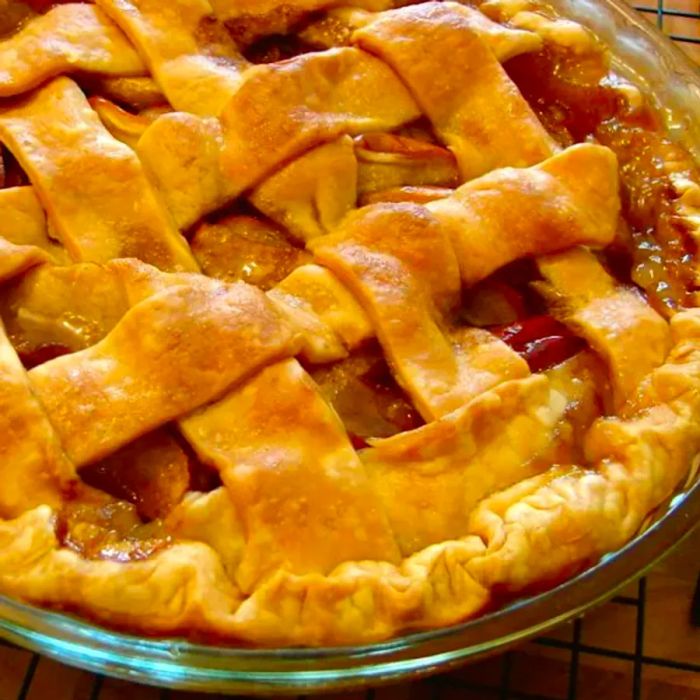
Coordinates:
[662,12]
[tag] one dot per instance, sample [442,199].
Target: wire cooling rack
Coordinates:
[680,19]
[666,16]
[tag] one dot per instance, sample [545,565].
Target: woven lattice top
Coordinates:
[325,323]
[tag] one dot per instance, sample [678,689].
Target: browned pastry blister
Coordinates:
[324,338]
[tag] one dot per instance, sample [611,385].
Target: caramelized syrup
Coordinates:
[576,99]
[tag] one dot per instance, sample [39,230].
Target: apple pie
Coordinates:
[324,321]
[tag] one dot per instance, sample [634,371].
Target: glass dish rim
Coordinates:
[182,664]
[179,663]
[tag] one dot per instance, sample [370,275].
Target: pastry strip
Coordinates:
[220,332]
[190,54]
[397,261]
[430,479]
[310,196]
[283,109]
[67,39]
[182,154]
[569,199]
[319,343]
[467,98]
[83,177]
[299,487]
[318,290]
[631,337]
[23,222]
[17,259]
[33,468]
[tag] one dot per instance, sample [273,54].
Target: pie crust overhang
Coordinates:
[189,278]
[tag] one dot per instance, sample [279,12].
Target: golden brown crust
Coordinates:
[311,195]
[641,460]
[411,235]
[631,337]
[83,176]
[316,290]
[33,466]
[23,222]
[516,480]
[283,109]
[363,602]
[223,332]
[394,257]
[569,199]
[319,343]
[181,153]
[397,256]
[295,593]
[430,479]
[190,55]
[466,101]
[67,39]
[299,488]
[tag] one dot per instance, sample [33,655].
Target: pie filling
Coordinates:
[325,322]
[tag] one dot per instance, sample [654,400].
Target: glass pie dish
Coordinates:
[655,65]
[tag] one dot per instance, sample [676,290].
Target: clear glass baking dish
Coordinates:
[647,57]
